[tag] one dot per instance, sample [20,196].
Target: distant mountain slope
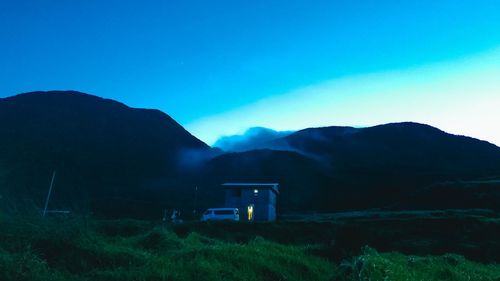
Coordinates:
[114,160]
[398,145]
[100,148]
[380,166]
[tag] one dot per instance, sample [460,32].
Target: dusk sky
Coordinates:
[219,67]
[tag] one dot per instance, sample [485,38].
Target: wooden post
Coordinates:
[48,194]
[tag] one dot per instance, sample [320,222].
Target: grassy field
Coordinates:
[87,249]
[473,233]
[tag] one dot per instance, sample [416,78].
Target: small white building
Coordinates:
[255,201]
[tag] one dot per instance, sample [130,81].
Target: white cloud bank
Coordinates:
[460,97]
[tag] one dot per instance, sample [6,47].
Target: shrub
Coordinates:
[372,265]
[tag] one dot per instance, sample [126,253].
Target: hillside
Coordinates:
[113,160]
[104,152]
[389,162]
[405,145]
[382,166]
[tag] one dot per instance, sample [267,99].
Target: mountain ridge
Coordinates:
[100,148]
[143,161]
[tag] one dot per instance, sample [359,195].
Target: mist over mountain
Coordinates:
[252,138]
[113,160]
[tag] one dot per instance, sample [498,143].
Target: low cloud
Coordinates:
[253,138]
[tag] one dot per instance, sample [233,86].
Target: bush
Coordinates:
[372,265]
[26,266]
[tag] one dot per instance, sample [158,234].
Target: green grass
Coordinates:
[476,238]
[81,250]
[395,266]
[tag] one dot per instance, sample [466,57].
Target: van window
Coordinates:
[208,212]
[224,212]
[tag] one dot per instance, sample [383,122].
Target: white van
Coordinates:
[219,214]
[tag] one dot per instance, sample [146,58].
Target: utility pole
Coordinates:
[48,194]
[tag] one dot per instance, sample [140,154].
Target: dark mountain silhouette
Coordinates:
[104,152]
[380,166]
[401,145]
[119,161]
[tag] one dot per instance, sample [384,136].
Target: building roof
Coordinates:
[251,185]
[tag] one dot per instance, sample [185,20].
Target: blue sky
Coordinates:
[218,67]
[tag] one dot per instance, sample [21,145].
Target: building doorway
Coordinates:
[250,212]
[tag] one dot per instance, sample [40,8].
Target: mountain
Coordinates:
[103,151]
[113,160]
[252,138]
[381,166]
[398,145]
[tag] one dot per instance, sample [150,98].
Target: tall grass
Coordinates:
[395,266]
[81,250]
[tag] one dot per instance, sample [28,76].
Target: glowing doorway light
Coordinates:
[250,212]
